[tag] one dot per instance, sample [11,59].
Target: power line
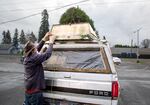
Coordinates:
[98,3]
[36,1]
[40,12]
[124,2]
[28,9]
[64,7]
[120,3]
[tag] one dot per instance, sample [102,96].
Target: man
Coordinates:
[34,74]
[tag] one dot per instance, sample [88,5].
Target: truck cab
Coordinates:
[81,73]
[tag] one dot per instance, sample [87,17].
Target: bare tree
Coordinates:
[146,43]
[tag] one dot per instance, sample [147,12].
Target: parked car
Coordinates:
[117,60]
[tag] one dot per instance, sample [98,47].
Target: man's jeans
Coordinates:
[34,99]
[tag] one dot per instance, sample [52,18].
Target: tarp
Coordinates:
[75,60]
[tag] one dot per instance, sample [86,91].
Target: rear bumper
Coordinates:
[80,98]
[114,102]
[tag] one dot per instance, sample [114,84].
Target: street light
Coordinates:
[137,51]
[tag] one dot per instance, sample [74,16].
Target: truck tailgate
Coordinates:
[79,87]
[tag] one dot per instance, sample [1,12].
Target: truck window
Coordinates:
[76,61]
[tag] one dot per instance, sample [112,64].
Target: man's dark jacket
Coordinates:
[34,73]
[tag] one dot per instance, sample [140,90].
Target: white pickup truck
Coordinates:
[81,74]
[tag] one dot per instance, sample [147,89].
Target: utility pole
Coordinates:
[131,45]
[137,51]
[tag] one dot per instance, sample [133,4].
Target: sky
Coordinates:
[117,20]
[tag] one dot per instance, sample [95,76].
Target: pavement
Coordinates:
[11,80]
[134,80]
[11,88]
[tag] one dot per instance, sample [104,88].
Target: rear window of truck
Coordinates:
[93,61]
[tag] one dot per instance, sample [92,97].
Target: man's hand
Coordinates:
[52,38]
[47,35]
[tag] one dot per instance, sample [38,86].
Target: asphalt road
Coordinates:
[134,80]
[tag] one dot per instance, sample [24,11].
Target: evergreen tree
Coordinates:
[33,38]
[145,43]
[44,25]
[4,37]
[22,38]
[15,38]
[75,15]
[7,38]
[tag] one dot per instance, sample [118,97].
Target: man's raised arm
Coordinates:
[44,39]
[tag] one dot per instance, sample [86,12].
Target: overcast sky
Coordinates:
[115,19]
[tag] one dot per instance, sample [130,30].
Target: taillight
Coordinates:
[115,90]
